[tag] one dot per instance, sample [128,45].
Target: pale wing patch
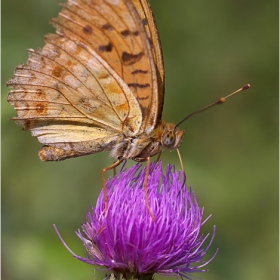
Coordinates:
[55,133]
[72,141]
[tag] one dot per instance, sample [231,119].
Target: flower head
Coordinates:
[127,240]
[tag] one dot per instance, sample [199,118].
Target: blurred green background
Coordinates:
[230,153]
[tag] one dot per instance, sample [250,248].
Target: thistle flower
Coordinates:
[127,241]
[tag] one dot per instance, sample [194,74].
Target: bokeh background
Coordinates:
[230,152]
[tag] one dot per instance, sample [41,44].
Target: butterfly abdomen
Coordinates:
[48,153]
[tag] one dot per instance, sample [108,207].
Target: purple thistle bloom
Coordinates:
[127,241]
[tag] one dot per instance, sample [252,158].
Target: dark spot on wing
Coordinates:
[143,98]
[138,71]
[107,26]
[106,48]
[129,59]
[136,85]
[144,21]
[125,33]
[87,29]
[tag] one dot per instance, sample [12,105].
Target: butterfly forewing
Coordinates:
[114,31]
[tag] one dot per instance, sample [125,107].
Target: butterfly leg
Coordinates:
[157,160]
[146,188]
[159,155]
[180,158]
[183,169]
[113,166]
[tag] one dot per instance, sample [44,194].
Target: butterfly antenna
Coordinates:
[219,101]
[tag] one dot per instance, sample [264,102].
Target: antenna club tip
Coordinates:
[246,86]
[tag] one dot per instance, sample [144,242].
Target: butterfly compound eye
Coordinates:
[168,139]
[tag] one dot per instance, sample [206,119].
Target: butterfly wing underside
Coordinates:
[94,80]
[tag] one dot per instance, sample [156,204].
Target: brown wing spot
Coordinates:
[57,71]
[106,48]
[39,92]
[145,21]
[27,124]
[136,85]
[107,26]
[41,108]
[143,98]
[125,33]
[129,59]
[138,71]
[69,63]
[88,29]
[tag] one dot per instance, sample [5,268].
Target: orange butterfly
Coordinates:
[98,84]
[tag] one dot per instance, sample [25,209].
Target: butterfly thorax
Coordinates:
[145,145]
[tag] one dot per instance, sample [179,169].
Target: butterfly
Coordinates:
[97,84]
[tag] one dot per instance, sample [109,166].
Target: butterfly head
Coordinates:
[172,136]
